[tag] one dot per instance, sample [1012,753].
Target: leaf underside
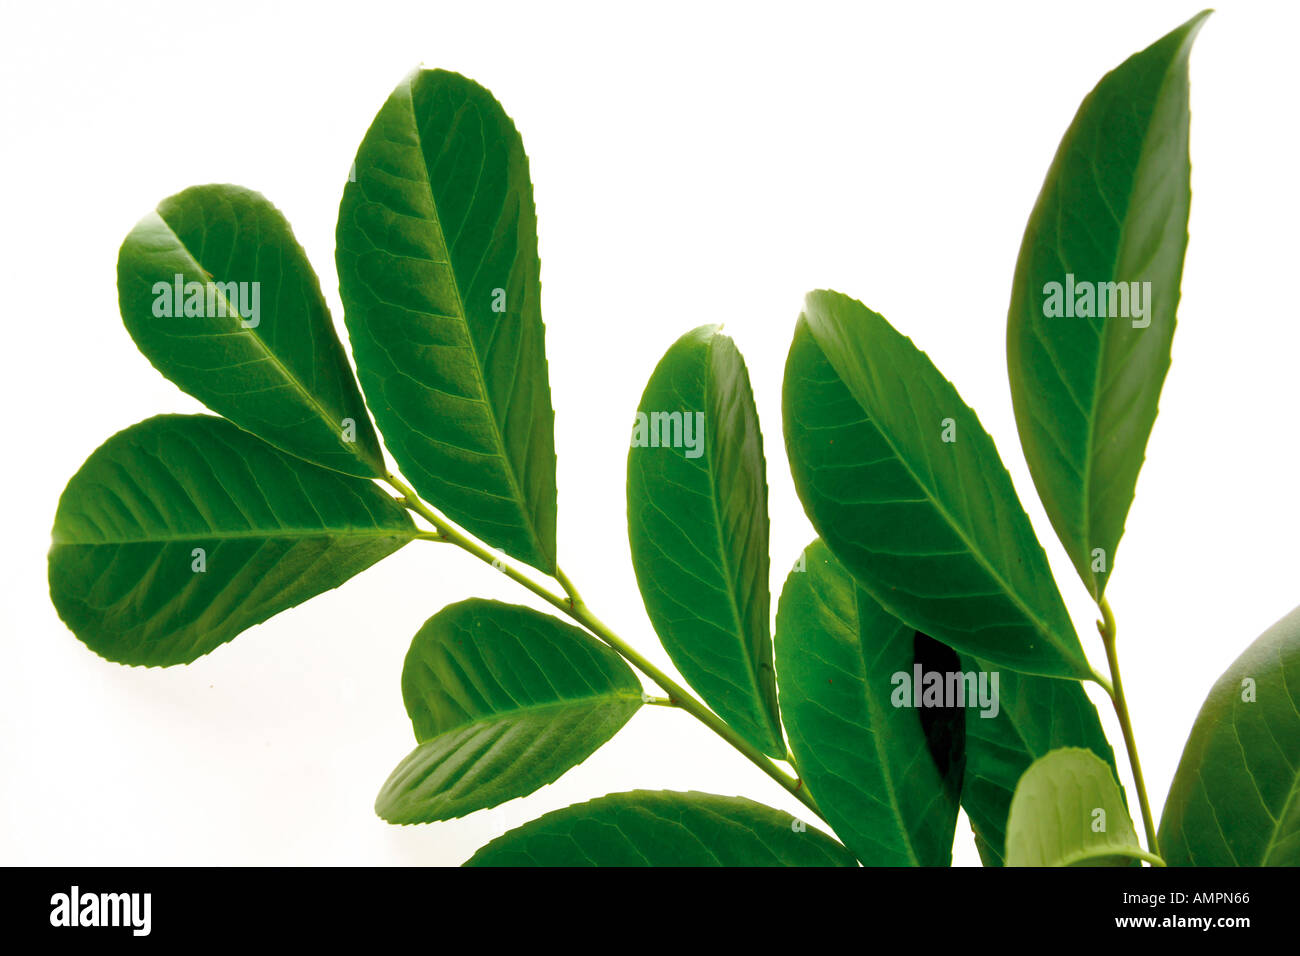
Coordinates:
[1068,811]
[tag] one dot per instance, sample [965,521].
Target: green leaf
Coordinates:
[262,350]
[1034,716]
[867,761]
[697,521]
[1113,210]
[1068,811]
[503,700]
[662,828]
[182,531]
[1235,800]
[930,527]
[438,271]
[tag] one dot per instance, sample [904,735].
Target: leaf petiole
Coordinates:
[1106,627]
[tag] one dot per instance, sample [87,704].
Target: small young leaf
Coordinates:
[1235,799]
[1034,715]
[697,521]
[907,490]
[438,271]
[1096,290]
[663,828]
[503,700]
[220,297]
[1068,811]
[182,531]
[866,761]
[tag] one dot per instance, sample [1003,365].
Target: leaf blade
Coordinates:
[868,763]
[1054,814]
[1235,798]
[280,373]
[1114,209]
[438,220]
[698,529]
[663,828]
[503,700]
[274,531]
[1035,716]
[865,413]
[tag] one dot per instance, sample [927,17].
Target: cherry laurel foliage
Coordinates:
[181,532]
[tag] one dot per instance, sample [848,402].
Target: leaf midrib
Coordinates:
[497,436]
[351,448]
[763,719]
[1087,517]
[943,511]
[242,535]
[886,769]
[602,697]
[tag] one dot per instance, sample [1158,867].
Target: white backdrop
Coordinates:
[693,163]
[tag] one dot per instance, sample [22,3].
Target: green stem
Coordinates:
[573,605]
[683,699]
[1107,628]
[449,533]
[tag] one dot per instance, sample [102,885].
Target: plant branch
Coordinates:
[573,605]
[1106,626]
[684,699]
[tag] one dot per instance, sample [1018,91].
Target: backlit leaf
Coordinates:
[1068,811]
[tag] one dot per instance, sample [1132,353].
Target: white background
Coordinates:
[693,163]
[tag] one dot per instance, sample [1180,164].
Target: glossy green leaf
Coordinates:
[251,336]
[867,761]
[662,828]
[1107,235]
[1068,811]
[182,531]
[930,527]
[1034,715]
[1235,799]
[503,700]
[439,275]
[697,521]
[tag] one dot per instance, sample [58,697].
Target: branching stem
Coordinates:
[573,605]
